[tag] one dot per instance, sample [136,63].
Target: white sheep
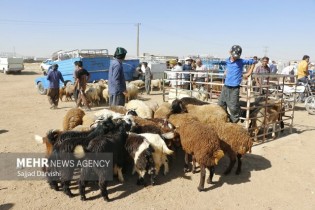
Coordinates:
[156,83]
[141,108]
[132,92]
[160,151]
[92,95]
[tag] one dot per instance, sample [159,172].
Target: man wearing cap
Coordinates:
[82,76]
[116,79]
[187,67]
[53,77]
[233,77]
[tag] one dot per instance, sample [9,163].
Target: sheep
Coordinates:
[156,83]
[262,118]
[113,143]
[160,151]
[73,118]
[132,92]
[179,105]
[69,91]
[138,83]
[234,139]
[100,86]
[141,151]
[62,92]
[141,108]
[153,105]
[105,95]
[201,142]
[208,113]
[163,111]
[63,147]
[81,128]
[92,95]
[200,94]
[118,109]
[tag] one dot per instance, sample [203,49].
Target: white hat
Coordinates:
[188,58]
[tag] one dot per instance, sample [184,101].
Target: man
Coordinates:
[302,70]
[116,79]
[200,77]
[262,69]
[137,74]
[187,67]
[302,73]
[234,72]
[273,67]
[147,77]
[53,92]
[82,76]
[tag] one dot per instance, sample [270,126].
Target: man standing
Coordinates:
[202,75]
[116,79]
[234,72]
[147,77]
[262,69]
[187,67]
[53,92]
[302,71]
[82,76]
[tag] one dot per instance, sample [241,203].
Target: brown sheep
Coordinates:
[200,142]
[163,111]
[72,119]
[208,113]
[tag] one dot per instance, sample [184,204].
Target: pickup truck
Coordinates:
[96,62]
[11,65]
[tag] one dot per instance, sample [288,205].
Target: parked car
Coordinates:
[44,66]
[11,65]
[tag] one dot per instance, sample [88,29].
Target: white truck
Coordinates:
[11,65]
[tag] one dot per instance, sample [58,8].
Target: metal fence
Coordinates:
[279,91]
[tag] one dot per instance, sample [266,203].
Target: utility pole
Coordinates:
[138,28]
[265,50]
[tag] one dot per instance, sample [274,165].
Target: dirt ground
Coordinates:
[278,174]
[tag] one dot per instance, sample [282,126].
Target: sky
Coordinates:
[281,29]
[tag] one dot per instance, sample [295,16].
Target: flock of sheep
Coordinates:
[98,91]
[145,137]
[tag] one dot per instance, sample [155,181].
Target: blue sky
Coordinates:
[181,27]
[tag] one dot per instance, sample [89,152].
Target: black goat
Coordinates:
[63,151]
[113,143]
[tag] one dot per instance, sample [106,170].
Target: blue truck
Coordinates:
[96,62]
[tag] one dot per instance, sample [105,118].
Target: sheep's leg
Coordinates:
[202,178]
[239,164]
[120,175]
[232,163]
[103,186]
[211,170]
[273,130]
[165,163]
[194,164]
[186,166]
[140,180]
[66,188]
[66,176]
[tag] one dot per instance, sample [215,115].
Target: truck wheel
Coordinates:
[40,88]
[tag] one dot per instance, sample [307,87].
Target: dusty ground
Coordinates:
[277,175]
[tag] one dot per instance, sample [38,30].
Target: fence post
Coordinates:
[249,84]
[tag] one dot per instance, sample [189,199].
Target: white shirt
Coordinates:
[201,68]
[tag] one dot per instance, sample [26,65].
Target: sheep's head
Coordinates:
[178,107]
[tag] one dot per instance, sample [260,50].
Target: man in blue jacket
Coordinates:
[116,79]
[53,91]
[233,77]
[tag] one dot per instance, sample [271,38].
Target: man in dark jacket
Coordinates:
[82,76]
[53,91]
[187,67]
[116,79]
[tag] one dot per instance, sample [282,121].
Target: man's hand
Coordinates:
[125,92]
[246,75]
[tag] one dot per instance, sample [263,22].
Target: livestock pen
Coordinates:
[269,105]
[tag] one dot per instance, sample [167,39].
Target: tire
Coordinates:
[40,88]
[310,105]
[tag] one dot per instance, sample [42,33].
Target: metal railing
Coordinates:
[254,96]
